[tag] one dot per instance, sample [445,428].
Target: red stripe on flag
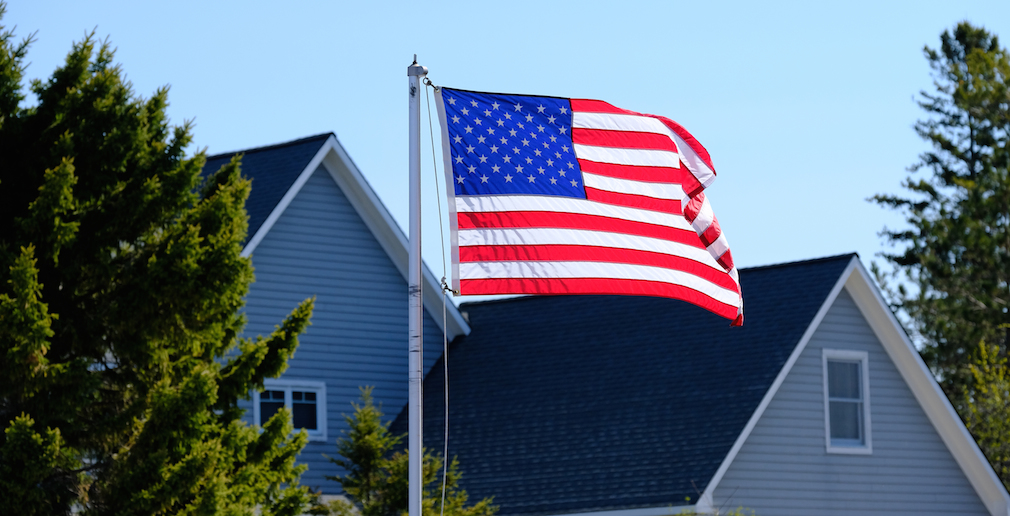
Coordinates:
[581,253]
[689,183]
[597,106]
[623,139]
[726,260]
[546,219]
[633,201]
[711,234]
[595,286]
[635,173]
[693,208]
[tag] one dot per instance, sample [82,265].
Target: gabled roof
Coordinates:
[593,404]
[566,404]
[272,169]
[278,173]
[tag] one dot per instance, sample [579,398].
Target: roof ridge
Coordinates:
[802,262]
[320,136]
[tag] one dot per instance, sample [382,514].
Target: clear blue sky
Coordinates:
[806,108]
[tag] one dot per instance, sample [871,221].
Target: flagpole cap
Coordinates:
[416,70]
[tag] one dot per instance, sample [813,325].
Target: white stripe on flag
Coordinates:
[693,162]
[620,156]
[501,203]
[704,218]
[720,246]
[670,191]
[584,237]
[530,269]
[618,122]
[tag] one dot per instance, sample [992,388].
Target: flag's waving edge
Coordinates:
[692,154]
[551,195]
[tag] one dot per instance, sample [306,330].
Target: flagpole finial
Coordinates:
[416,70]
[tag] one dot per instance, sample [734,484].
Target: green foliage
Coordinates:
[956,252]
[376,477]
[364,455]
[739,511]
[986,402]
[121,281]
[29,460]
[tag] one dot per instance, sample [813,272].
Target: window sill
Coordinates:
[850,450]
[314,437]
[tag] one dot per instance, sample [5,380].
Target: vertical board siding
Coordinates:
[783,468]
[321,247]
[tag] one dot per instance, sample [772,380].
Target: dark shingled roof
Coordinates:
[272,169]
[584,403]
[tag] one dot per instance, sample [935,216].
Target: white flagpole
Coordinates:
[414,319]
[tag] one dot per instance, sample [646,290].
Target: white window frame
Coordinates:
[288,386]
[864,360]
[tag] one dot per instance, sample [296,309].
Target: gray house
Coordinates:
[610,405]
[317,229]
[637,406]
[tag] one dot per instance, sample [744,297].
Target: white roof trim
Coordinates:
[706,501]
[345,173]
[666,510]
[289,196]
[933,401]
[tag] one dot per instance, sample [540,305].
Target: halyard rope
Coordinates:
[445,287]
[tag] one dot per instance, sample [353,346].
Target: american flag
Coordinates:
[552,195]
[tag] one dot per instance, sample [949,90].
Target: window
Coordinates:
[846,401]
[305,399]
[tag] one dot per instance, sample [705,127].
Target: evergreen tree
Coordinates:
[985,403]
[956,253]
[121,282]
[375,478]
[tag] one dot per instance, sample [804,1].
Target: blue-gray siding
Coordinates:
[783,468]
[321,247]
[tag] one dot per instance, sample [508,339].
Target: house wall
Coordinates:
[783,468]
[321,247]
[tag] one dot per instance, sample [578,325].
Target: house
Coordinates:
[317,229]
[637,406]
[612,405]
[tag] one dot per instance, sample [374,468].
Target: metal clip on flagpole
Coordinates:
[415,73]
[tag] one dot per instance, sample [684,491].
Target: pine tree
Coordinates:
[985,402]
[121,284]
[956,252]
[375,473]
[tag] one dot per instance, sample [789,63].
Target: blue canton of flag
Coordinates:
[512,144]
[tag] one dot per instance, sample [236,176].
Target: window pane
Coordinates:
[843,380]
[268,409]
[304,411]
[846,422]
